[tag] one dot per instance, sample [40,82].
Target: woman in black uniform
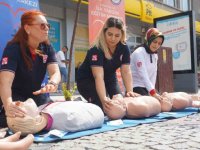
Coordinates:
[24,63]
[96,77]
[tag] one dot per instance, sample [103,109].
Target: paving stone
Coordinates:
[154,139]
[122,139]
[98,147]
[194,149]
[116,144]
[180,146]
[166,142]
[71,148]
[137,141]
[196,133]
[40,147]
[193,144]
[150,143]
[160,147]
[196,139]
[134,147]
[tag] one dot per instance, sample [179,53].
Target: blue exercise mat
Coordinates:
[45,137]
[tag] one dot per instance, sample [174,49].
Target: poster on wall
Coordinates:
[99,11]
[178,30]
[54,34]
[11,11]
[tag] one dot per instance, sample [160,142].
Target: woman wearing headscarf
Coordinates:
[144,63]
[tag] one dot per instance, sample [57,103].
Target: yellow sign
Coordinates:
[197,24]
[147,12]
[133,8]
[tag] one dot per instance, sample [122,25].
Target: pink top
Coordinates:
[49,122]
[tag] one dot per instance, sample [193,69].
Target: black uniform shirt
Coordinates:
[26,81]
[96,57]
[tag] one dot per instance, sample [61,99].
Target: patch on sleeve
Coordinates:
[45,58]
[139,64]
[121,56]
[4,61]
[94,57]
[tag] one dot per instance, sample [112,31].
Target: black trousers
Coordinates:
[87,89]
[39,100]
[141,90]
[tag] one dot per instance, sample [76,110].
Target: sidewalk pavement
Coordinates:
[176,134]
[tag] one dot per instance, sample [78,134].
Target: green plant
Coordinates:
[68,93]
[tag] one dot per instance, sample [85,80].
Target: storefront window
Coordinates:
[180,4]
[138,40]
[133,41]
[170,2]
[184,5]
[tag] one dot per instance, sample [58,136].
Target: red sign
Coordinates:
[99,11]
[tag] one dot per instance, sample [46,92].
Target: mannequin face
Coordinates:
[32,122]
[155,44]
[167,96]
[29,107]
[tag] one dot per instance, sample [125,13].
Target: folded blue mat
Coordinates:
[45,137]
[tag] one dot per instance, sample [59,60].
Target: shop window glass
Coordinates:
[138,40]
[131,39]
[184,5]
[171,3]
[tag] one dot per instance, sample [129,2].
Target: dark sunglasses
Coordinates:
[43,25]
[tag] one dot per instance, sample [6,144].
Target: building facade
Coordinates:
[61,16]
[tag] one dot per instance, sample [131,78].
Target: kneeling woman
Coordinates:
[70,116]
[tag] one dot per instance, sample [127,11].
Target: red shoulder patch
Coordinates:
[4,61]
[139,64]
[94,58]
[45,58]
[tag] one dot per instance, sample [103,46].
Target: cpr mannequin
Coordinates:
[146,106]
[178,100]
[13,142]
[68,116]
[132,107]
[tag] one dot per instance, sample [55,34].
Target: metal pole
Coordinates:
[72,44]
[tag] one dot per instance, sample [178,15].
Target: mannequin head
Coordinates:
[167,102]
[32,122]
[118,108]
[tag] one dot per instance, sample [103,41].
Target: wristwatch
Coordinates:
[53,83]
